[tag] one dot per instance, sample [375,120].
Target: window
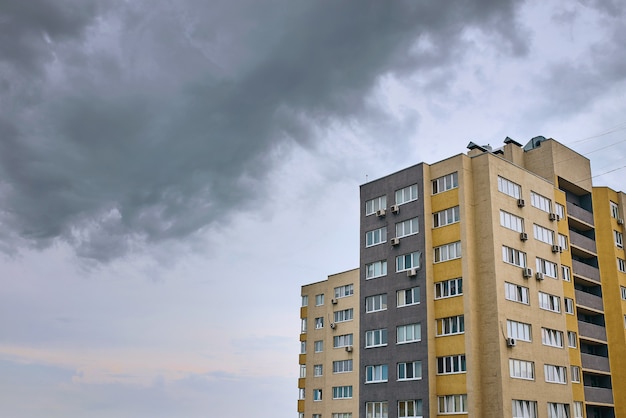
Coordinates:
[302,371]
[301,393]
[578,409]
[375,237]
[305,300]
[319,300]
[619,239]
[451,325]
[408,194]
[516,293]
[319,322]
[342,366]
[342,392]
[518,330]
[621,265]
[555,374]
[317,416]
[345,315]
[524,409]
[410,409]
[377,410]
[448,252]
[445,183]
[410,370]
[451,364]
[342,415]
[623,291]
[546,267]
[575,374]
[508,187]
[408,297]
[565,272]
[342,340]
[540,202]
[317,395]
[563,241]
[376,303]
[614,210]
[510,221]
[376,338]
[543,234]
[572,340]
[376,269]
[343,291]
[318,370]
[569,306]
[558,410]
[549,302]
[302,347]
[522,369]
[560,210]
[408,261]
[513,256]
[303,324]
[552,337]
[406,228]
[318,346]
[452,404]
[448,288]
[378,203]
[446,217]
[376,374]
[408,333]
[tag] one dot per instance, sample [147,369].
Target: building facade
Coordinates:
[492,284]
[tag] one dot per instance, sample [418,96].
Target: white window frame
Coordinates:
[454,364]
[376,303]
[577,409]
[378,373]
[409,333]
[319,322]
[619,239]
[409,370]
[302,371]
[549,302]
[614,209]
[377,409]
[319,299]
[375,204]
[345,340]
[318,346]
[572,339]
[408,261]
[516,293]
[543,234]
[452,404]
[548,268]
[447,252]
[406,194]
[411,408]
[344,315]
[621,265]
[342,392]
[376,237]
[376,269]
[521,369]
[344,291]
[519,330]
[512,222]
[305,300]
[318,370]
[376,338]
[342,415]
[623,292]
[445,183]
[513,256]
[446,217]
[566,272]
[451,325]
[540,202]
[343,366]
[552,337]
[558,410]
[407,228]
[412,295]
[559,209]
[509,188]
[569,305]
[555,374]
[317,395]
[524,409]
[449,288]
[302,347]
[563,242]
[575,374]
[303,325]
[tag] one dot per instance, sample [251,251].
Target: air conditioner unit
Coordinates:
[556,249]
[349,348]
[539,275]
[333,301]
[332,325]
[527,272]
[511,342]
[620,221]
[411,273]
[553,216]
[395,241]
[523,236]
[521,203]
[395,209]
[380,213]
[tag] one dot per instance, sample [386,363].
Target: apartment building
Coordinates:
[492,284]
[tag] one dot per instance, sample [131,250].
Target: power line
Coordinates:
[615,128]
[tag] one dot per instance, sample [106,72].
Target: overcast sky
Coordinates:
[171,172]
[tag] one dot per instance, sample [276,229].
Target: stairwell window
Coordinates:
[509,188]
[445,183]
[513,256]
[373,205]
[448,252]
[406,195]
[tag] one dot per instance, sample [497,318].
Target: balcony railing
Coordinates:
[588,300]
[586,271]
[593,331]
[579,213]
[591,362]
[598,395]
[582,242]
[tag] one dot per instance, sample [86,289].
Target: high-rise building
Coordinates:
[491,284]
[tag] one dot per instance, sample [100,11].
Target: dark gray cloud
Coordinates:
[154,120]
